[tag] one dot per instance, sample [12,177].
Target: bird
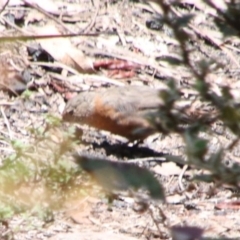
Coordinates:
[120,110]
[136,112]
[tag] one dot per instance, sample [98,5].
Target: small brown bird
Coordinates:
[119,110]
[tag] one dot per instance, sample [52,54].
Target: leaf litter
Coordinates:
[26,113]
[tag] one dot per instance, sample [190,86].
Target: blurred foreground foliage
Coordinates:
[225,105]
[39,177]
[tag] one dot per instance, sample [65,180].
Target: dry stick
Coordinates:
[48,15]
[34,36]
[233,144]
[17,40]
[170,181]
[182,188]
[85,76]
[164,218]
[14,26]
[56,64]
[8,88]
[121,37]
[215,43]
[7,123]
[92,23]
[231,47]
[17,68]
[4,6]
[144,229]
[209,38]
[63,78]
[76,85]
[132,57]
[97,78]
[147,159]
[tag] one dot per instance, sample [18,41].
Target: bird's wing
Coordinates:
[130,99]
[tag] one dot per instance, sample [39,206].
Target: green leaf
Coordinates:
[120,175]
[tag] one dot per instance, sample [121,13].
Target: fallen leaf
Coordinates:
[62,50]
[228,205]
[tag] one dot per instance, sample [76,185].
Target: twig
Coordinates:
[155,222]
[44,36]
[133,57]
[164,220]
[102,79]
[7,123]
[14,26]
[86,77]
[182,188]
[147,159]
[6,86]
[56,64]
[4,6]
[209,38]
[48,15]
[92,23]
